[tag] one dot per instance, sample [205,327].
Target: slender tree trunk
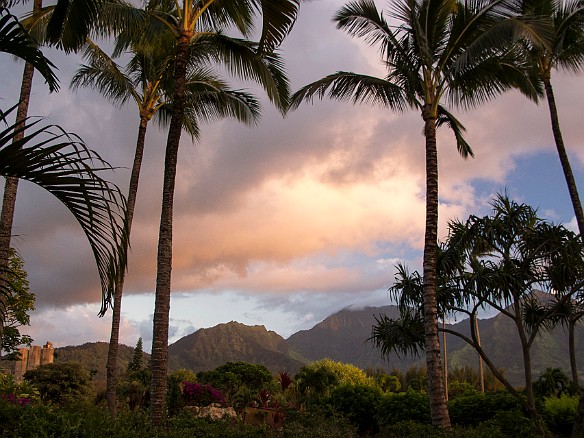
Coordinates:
[438,405]
[564,160]
[526,352]
[112,357]
[481,367]
[445,357]
[11,186]
[159,359]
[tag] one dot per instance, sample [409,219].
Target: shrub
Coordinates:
[62,383]
[559,413]
[472,409]
[359,404]
[196,394]
[404,406]
[317,423]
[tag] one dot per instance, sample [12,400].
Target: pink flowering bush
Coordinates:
[195,394]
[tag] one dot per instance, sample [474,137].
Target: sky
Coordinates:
[285,223]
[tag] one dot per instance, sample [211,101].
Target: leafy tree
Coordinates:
[437,51]
[61,383]
[495,262]
[233,377]
[552,382]
[358,403]
[19,302]
[136,363]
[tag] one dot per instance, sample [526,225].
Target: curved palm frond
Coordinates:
[404,336]
[14,39]
[244,59]
[102,74]
[62,164]
[445,117]
[353,87]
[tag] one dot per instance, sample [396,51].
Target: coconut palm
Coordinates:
[146,80]
[565,51]
[63,165]
[196,24]
[436,51]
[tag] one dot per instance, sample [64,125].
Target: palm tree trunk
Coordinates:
[438,405]
[564,160]
[112,357]
[11,186]
[159,359]
[526,352]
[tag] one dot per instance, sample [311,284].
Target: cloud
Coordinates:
[302,212]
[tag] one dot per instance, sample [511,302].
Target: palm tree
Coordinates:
[11,184]
[146,80]
[565,51]
[437,50]
[63,165]
[494,262]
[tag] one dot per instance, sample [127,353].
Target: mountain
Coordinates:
[93,355]
[206,349]
[343,337]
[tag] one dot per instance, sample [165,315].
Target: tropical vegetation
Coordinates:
[438,53]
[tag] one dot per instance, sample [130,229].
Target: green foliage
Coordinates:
[235,376]
[19,303]
[559,413]
[404,406]
[21,390]
[319,378]
[552,382]
[359,404]
[174,395]
[472,409]
[136,363]
[317,423]
[61,383]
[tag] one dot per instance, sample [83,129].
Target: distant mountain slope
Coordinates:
[343,337]
[93,355]
[206,349]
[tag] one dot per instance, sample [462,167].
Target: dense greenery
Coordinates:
[58,400]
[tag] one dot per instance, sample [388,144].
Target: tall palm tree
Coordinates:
[194,24]
[63,165]
[15,40]
[565,51]
[437,51]
[146,81]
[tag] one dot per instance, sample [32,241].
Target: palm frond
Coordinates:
[445,117]
[353,87]
[404,336]
[62,164]
[103,74]
[14,39]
